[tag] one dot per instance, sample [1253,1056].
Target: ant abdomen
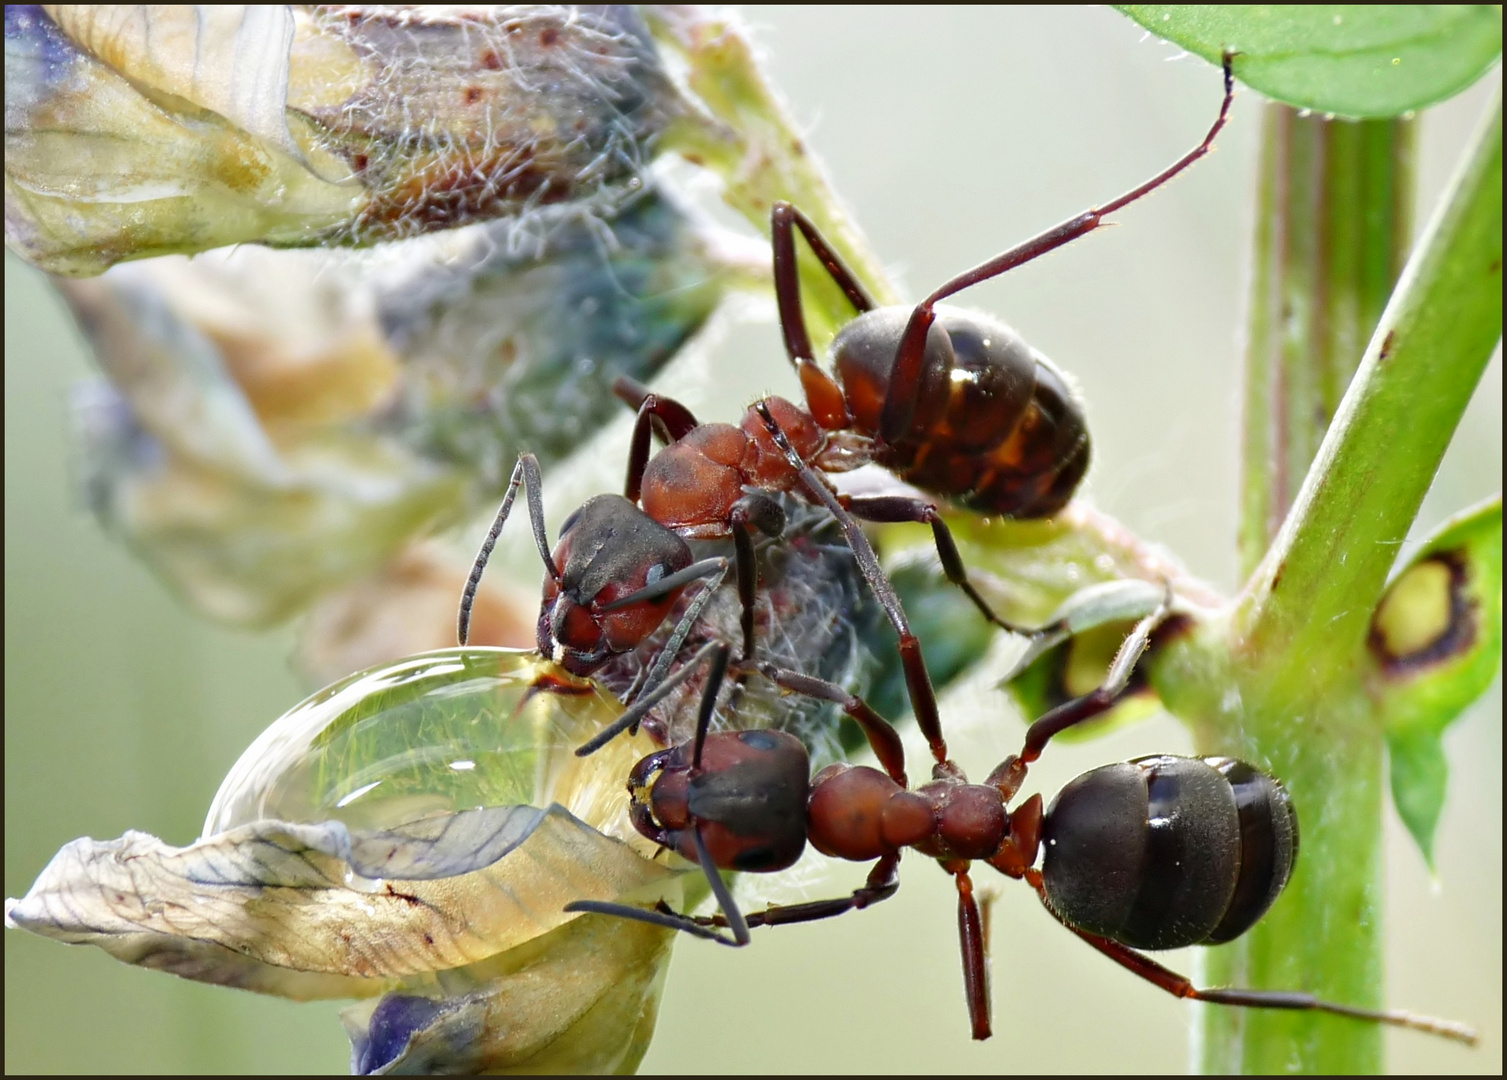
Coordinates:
[1164,852]
[993,423]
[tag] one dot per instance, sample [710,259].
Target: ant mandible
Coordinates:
[953,402]
[1156,853]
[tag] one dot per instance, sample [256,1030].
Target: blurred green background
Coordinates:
[952,134]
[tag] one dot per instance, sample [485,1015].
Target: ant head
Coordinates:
[747,799]
[608,549]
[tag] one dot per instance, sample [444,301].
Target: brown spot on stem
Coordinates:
[1386,345]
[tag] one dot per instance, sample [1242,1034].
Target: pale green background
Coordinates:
[952,134]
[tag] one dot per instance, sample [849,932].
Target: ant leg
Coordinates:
[678,420]
[975,956]
[660,916]
[633,716]
[887,509]
[882,736]
[787,275]
[1101,700]
[669,583]
[882,883]
[905,377]
[673,920]
[527,473]
[713,569]
[1011,773]
[823,395]
[731,916]
[923,699]
[1179,986]
[664,416]
[747,568]
[762,511]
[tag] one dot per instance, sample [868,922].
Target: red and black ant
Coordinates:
[951,401]
[954,402]
[615,575]
[920,387]
[1156,853]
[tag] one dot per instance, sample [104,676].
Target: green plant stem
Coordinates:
[749,140]
[1334,220]
[1312,595]
[1279,681]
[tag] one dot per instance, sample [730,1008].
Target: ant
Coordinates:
[951,401]
[613,578]
[1156,853]
[954,387]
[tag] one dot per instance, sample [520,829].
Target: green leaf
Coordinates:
[1420,774]
[1434,648]
[1350,60]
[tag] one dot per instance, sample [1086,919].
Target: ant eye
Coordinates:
[569,522]
[656,572]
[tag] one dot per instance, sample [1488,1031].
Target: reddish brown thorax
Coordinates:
[859,813]
[691,485]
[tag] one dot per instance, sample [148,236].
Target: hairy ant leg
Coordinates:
[1179,986]
[657,415]
[975,956]
[662,915]
[1011,773]
[526,472]
[823,395]
[653,695]
[882,883]
[900,403]
[716,654]
[923,698]
[881,734]
[890,509]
